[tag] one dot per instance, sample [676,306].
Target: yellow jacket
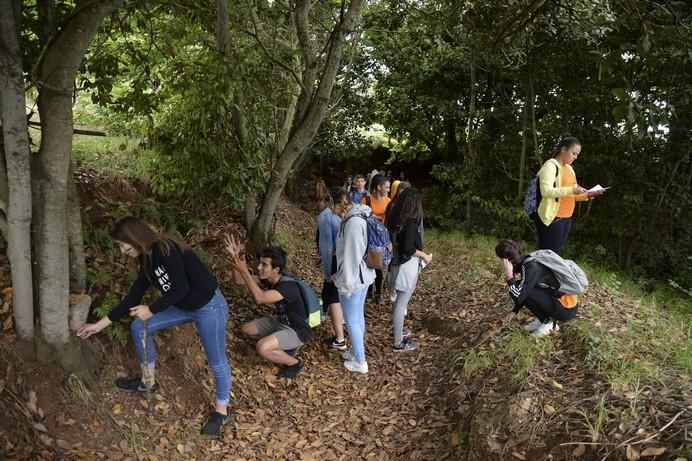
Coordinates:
[549,176]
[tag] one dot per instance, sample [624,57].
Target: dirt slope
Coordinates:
[409,407]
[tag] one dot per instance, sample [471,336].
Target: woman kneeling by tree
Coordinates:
[189,293]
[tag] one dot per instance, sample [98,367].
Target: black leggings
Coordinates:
[554,236]
[544,306]
[377,283]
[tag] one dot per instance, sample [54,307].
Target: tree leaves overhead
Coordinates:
[465,84]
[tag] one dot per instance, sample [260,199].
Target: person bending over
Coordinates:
[189,293]
[533,290]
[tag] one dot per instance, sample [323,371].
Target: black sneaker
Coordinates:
[214,423]
[134,385]
[291,371]
[338,345]
[406,346]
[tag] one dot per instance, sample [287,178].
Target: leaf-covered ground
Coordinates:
[472,390]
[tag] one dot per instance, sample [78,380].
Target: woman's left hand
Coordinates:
[142,312]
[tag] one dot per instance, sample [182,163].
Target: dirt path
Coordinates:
[397,411]
[409,406]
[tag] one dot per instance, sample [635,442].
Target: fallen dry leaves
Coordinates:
[408,407]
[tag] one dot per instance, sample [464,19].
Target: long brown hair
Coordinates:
[408,204]
[321,197]
[143,238]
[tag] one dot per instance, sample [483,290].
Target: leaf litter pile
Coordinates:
[473,390]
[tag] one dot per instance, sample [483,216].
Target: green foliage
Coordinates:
[517,351]
[113,155]
[452,80]
[116,331]
[595,424]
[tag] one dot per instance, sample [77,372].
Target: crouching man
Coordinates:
[280,335]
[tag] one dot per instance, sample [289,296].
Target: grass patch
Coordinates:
[111,155]
[516,350]
[628,335]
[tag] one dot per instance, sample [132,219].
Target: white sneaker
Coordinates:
[352,365]
[546,329]
[348,355]
[533,326]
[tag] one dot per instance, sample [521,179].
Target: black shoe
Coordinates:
[214,423]
[338,345]
[377,300]
[291,371]
[134,385]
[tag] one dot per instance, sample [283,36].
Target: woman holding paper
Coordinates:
[559,193]
[408,259]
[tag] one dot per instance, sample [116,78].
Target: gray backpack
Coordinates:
[569,275]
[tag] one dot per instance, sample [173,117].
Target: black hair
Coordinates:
[407,204]
[509,249]
[277,255]
[376,182]
[566,142]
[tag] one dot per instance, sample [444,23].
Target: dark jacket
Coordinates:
[533,274]
[406,240]
[181,277]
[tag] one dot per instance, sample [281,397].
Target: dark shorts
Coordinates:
[330,294]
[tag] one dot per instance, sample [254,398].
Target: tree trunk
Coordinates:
[522,156]
[56,73]
[470,129]
[74,235]
[308,119]
[17,156]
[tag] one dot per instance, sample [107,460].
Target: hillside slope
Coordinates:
[607,387]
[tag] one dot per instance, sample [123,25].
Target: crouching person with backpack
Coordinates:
[281,334]
[538,288]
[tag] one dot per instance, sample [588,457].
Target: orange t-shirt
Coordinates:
[378,206]
[566,208]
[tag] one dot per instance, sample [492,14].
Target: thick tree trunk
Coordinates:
[75,238]
[56,73]
[309,116]
[17,162]
[51,221]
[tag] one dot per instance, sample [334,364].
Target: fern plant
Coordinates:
[117,330]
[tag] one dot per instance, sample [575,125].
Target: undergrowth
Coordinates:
[631,338]
[515,351]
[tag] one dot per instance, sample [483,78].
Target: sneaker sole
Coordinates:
[353,370]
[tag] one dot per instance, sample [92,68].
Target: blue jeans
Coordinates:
[354,315]
[210,321]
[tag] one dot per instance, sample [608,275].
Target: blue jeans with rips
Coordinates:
[353,308]
[210,321]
